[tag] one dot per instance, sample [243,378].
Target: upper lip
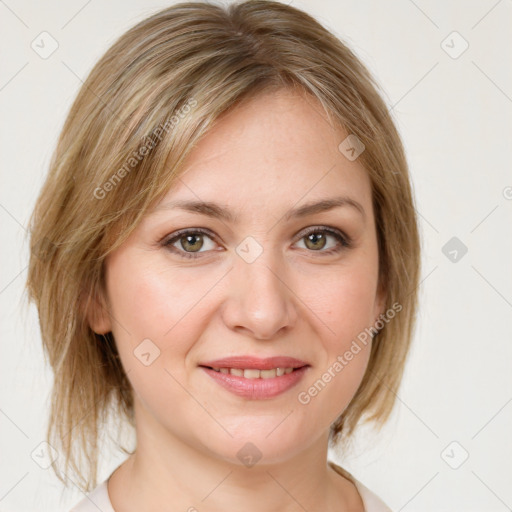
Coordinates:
[256,363]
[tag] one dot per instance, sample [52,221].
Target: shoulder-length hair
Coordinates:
[143,107]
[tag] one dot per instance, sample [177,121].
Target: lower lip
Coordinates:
[257,389]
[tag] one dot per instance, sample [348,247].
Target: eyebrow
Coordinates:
[215,210]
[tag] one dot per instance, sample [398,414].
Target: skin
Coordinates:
[271,154]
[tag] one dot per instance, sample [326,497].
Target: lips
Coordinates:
[256,378]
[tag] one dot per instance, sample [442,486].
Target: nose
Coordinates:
[259,301]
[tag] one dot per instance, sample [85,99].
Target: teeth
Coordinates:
[250,373]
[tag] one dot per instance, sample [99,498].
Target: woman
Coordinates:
[225,253]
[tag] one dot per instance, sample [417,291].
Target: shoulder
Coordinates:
[96,500]
[371,502]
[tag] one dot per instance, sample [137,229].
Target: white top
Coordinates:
[98,499]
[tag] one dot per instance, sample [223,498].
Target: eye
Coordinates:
[190,241]
[316,239]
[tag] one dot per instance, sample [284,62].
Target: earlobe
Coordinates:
[97,314]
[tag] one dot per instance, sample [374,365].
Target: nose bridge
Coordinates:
[259,299]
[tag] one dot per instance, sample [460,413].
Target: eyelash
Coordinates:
[345,242]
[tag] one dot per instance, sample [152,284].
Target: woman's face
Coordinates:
[255,277]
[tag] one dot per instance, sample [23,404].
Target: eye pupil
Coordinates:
[314,238]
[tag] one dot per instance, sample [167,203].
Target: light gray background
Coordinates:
[455,118]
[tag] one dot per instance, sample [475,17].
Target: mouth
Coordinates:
[255,378]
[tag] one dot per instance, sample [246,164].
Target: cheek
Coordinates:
[347,303]
[152,311]
[150,300]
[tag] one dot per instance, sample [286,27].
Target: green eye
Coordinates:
[316,240]
[189,242]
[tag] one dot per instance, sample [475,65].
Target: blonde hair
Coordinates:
[161,86]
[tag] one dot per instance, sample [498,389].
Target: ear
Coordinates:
[97,312]
[380,302]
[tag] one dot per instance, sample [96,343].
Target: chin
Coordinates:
[267,441]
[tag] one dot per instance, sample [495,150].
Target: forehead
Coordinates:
[275,149]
